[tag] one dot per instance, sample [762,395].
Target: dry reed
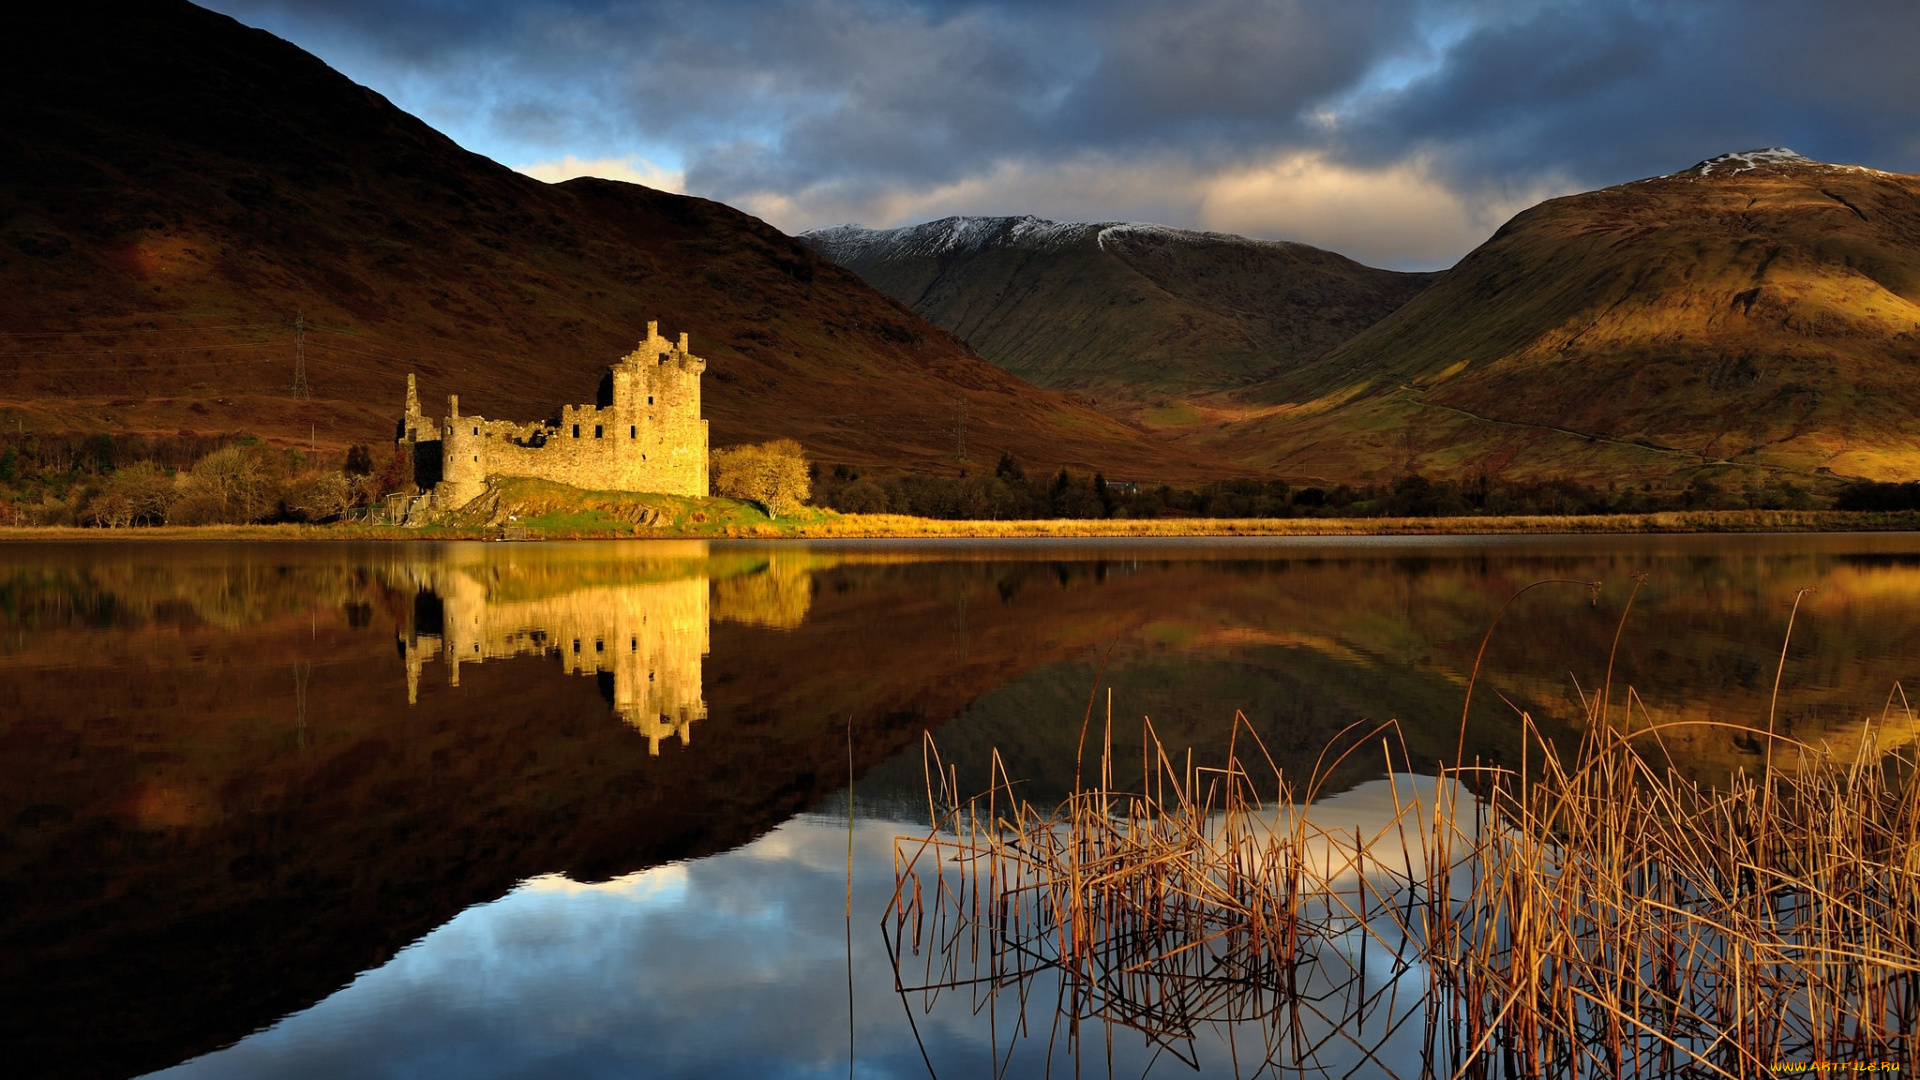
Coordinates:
[1588,914]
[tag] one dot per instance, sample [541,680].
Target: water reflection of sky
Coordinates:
[245,703]
[728,966]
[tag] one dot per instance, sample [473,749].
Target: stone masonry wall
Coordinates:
[651,638]
[650,437]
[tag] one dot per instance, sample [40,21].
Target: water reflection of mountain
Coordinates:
[225,807]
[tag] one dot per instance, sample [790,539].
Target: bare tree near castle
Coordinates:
[773,474]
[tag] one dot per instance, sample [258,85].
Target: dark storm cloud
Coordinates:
[806,110]
[1616,91]
[904,89]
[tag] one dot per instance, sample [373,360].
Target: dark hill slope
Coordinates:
[1759,309]
[1125,314]
[178,187]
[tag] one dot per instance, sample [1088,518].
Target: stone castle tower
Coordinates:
[643,433]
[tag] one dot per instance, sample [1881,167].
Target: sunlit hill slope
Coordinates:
[181,187]
[1757,309]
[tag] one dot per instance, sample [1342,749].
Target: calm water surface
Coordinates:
[553,809]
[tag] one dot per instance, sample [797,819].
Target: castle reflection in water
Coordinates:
[645,641]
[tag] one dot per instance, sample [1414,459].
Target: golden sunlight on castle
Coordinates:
[642,433]
[648,640]
[645,641]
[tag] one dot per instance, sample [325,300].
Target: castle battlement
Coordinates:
[643,433]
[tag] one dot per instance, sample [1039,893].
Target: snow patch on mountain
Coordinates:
[1770,159]
[967,235]
[1749,160]
[1129,229]
[947,236]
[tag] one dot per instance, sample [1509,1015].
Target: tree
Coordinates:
[359,460]
[139,494]
[397,473]
[238,483]
[1071,497]
[321,496]
[1105,496]
[99,453]
[773,474]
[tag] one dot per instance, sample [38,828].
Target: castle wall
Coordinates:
[650,637]
[649,438]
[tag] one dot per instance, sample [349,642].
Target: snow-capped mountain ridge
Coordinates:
[967,235]
[1127,312]
[1771,159]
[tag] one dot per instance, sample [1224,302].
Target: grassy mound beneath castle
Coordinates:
[545,508]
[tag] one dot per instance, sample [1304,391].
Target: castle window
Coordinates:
[476,457]
[649,399]
[596,431]
[634,645]
[576,431]
[576,645]
[599,646]
[476,431]
[633,431]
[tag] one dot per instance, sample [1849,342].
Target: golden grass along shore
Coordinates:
[821,525]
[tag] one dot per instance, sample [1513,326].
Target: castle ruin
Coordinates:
[645,642]
[641,629]
[643,433]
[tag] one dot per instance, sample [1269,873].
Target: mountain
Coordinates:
[182,188]
[1126,315]
[1758,309]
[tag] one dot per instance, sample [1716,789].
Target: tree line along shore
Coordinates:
[199,483]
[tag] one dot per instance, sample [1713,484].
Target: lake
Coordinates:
[506,810]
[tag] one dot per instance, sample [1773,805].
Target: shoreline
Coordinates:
[900,527]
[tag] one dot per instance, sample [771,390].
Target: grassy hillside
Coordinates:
[1131,317]
[182,187]
[1756,311]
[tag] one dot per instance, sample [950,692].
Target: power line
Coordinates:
[415,347]
[141,365]
[132,330]
[300,389]
[331,347]
[138,352]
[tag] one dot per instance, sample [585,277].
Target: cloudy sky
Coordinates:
[1401,132]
